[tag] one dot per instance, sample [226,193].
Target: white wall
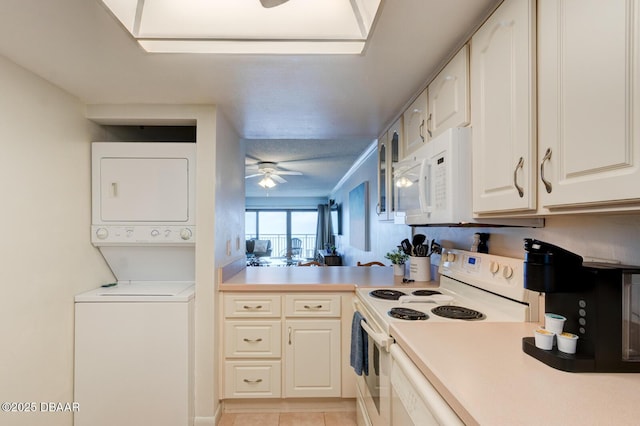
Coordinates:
[45,252]
[384,236]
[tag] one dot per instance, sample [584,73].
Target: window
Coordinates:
[280,227]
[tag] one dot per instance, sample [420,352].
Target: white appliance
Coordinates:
[143,189]
[134,340]
[434,184]
[474,286]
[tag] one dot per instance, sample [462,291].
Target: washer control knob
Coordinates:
[155,232]
[494,267]
[102,233]
[167,233]
[186,234]
[507,272]
[451,257]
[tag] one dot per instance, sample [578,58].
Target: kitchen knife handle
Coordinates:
[547,184]
[520,165]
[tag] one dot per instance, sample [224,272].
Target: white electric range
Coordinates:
[473,287]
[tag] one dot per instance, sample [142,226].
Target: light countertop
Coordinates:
[482,372]
[315,278]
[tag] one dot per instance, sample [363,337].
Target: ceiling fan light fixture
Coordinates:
[266,182]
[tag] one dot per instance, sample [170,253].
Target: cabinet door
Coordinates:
[383,171]
[415,132]
[144,189]
[312,358]
[503,110]
[449,95]
[589,118]
[388,156]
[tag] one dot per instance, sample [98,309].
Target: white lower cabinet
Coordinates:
[312,358]
[282,346]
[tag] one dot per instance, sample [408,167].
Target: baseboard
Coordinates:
[206,421]
[288,405]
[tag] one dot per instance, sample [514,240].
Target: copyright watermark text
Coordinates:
[40,407]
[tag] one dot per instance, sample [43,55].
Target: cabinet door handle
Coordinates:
[313,307]
[252,340]
[547,184]
[421,130]
[378,209]
[114,189]
[252,381]
[252,308]
[289,335]
[429,126]
[515,177]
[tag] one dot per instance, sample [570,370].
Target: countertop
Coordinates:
[482,372]
[315,278]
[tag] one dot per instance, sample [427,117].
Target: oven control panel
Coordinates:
[498,274]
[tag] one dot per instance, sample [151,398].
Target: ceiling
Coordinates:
[285,107]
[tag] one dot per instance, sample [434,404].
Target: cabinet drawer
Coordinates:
[315,305]
[252,379]
[252,306]
[252,339]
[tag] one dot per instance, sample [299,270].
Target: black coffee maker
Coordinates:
[601,302]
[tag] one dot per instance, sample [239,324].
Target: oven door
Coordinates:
[414,401]
[374,387]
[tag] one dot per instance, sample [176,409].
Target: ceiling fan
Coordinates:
[272,3]
[270,174]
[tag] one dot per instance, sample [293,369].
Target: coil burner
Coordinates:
[408,314]
[387,294]
[457,312]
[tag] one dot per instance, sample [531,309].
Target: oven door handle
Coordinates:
[380,338]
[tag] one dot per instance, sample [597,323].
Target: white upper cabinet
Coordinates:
[388,156]
[589,97]
[449,96]
[415,121]
[503,110]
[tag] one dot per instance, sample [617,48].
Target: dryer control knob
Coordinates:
[155,232]
[186,234]
[102,233]
[494,267]
[451,257]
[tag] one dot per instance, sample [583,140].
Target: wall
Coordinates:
[384,236]
[600,236]
[45,250]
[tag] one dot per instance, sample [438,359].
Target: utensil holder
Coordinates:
[420,268]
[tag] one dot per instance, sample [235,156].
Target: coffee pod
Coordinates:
[544,339]
[567,342]
[554,323]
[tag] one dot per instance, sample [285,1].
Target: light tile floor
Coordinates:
[289,419]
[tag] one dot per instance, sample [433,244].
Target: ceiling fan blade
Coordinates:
[278,179]
[272,3]
[254,175]
[285,172]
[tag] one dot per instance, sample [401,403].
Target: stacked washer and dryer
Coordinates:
[134,339]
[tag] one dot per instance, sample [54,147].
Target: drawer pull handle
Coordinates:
[252,340]
[252,308]
[313,307]
[252,381]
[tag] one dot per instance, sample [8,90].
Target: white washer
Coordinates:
[134,355]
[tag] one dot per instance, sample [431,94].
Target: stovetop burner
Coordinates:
[457,312]
[425,292]
[407,314]
[387,294]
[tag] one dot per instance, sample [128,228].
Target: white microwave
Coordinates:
[434,186]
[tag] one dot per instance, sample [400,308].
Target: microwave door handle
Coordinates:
[380,338]
[425,187]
